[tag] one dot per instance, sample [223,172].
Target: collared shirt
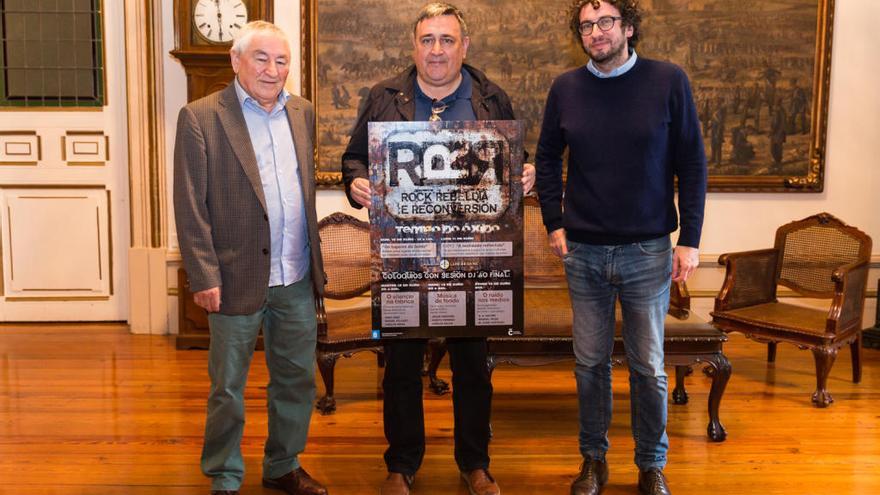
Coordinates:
[623,69]
[458,104]
[272,140]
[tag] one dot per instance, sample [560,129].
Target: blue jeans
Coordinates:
[639,276]
[289,333]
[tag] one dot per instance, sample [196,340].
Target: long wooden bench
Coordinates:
[341,333]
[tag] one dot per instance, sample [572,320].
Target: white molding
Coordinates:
[147,168]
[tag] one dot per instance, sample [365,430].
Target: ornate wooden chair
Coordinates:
[819,257]
[345,245]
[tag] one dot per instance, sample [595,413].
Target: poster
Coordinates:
[446,229]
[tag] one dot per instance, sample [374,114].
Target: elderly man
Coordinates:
[244,201]
[631,128]
[438,84]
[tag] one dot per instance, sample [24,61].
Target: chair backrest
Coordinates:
[540,265]
[345,245]
[811,249]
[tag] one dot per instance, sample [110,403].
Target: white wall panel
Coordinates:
[85,148]
[20,148]
[57,243]
[64,209]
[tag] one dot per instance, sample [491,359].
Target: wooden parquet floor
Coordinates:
[90,409]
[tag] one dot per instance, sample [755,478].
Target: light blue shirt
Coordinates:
[623,69]
[272,140]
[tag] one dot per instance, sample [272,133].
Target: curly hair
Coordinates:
[630,12]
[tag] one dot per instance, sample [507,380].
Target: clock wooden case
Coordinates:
[199,46]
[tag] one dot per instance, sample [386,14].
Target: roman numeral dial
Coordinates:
[218,21]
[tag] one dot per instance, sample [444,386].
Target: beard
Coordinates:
[613,52]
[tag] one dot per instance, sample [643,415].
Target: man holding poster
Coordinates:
[439,86]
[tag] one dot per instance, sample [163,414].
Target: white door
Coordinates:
[64,210]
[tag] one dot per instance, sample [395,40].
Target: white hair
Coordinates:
[246,34]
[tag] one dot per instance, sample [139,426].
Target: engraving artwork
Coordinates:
[751,64]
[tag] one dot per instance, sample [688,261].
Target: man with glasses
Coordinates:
[439,86]
[631,128]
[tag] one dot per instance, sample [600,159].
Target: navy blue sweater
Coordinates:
[628,137]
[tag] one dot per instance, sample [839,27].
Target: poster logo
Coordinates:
[447,174]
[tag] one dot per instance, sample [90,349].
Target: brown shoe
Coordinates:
[652,482]
[593,476]
[296,482]
[396,484]
[480,482]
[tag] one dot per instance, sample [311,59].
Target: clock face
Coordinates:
[218,21]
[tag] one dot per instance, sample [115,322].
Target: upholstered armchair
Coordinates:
[345,245]
[817,257]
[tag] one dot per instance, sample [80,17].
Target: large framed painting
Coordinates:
[760,71]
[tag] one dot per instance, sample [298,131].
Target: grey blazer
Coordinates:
[219,205]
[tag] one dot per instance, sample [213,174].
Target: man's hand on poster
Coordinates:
[556,239]
[528,177]
[360,191]
[685,260]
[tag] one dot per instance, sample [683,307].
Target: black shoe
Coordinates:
[594,475]
[652,482]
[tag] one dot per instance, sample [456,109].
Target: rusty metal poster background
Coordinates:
[446,228]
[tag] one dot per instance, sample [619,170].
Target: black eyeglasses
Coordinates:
[605,24]
[437,107]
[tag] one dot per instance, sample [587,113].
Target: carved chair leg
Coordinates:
[720,376]
[771,352]
[436,351]
[709,371]
[824,357]
[327,365]
[679,393]
[856,348]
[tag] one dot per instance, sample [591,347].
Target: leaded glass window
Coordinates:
[51,53]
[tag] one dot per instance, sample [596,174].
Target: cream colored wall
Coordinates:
[734,222]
